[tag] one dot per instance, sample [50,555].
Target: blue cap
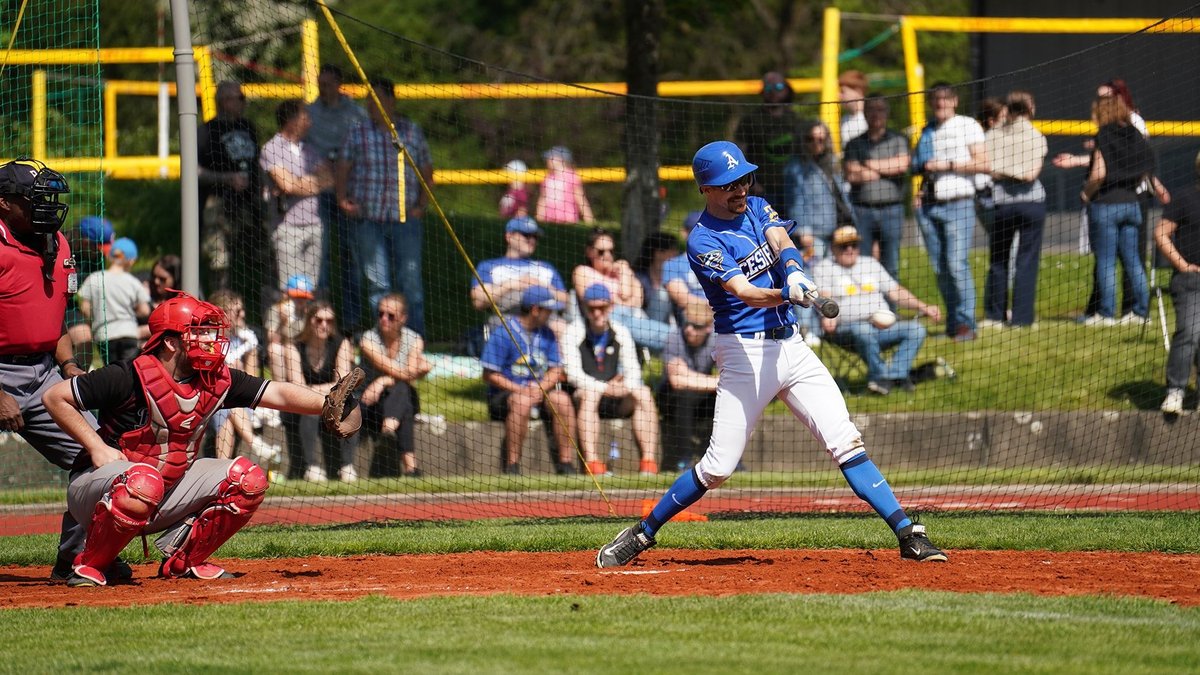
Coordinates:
[125,247]
[560,151]
[597,293]
[300,286]
[690,220]
[524,225]
[720,163]
[96,229]
[540,296]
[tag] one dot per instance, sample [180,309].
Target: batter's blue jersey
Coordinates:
[719,250]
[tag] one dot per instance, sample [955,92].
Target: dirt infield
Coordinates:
[662,572]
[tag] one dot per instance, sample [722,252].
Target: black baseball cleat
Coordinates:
[914,545]
[627,545]
[118,571]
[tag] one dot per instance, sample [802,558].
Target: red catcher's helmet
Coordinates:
[202,326]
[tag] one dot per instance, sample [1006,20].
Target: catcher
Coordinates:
[141,473]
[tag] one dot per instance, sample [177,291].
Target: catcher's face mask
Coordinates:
[42,186]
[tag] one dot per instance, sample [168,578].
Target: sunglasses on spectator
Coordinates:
[533,236]
[699,326]
[603,251]
[391,316]
[323,319]
[816,139]
[774,86]
[745,182]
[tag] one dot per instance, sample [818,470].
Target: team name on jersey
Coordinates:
[758,261]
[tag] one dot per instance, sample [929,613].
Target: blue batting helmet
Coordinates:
[720,163]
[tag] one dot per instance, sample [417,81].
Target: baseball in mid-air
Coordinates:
[883,318]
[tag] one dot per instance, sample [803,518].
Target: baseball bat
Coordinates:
[827,307]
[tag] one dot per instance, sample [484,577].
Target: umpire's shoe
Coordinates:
[628,545]
[914,545]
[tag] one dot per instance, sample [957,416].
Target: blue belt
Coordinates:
[777,333]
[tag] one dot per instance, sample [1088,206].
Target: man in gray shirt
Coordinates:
[875,164]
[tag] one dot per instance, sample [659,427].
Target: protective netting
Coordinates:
[1025,398]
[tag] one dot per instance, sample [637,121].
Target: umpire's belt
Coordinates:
[778,333]
[22,359]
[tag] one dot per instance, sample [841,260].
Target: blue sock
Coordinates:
[871,487]
[685,491]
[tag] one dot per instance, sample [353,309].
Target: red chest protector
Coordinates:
[177,413]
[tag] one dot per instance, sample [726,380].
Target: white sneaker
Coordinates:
[1173,403]
[988,324]
[267,453]
[1097,320]
[348,474]
[1132,319]
[315,474]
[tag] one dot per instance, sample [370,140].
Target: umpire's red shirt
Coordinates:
[32,308]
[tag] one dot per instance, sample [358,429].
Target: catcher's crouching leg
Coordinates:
[120,514]
[238,497]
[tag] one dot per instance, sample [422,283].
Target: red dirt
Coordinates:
[661,572]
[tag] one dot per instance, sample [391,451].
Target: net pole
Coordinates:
[189,187]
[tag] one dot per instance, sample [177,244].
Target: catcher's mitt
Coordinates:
[341,413]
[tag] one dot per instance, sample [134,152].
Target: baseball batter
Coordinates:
[752,275]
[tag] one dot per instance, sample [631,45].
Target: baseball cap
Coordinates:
[597,293]
[560,151]
[720,163]
[845,234]
[300,286]
[540,296]
[97,230]
[126,247]
[690,220]
[16,178]
[516,166]
[524,225]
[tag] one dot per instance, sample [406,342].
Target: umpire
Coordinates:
[37,276]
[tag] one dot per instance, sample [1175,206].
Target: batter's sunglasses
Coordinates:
[746,182]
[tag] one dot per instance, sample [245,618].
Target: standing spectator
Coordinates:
[394,359]
[525,376]
[683,287]
[956,153]
[863,290]
[232,424]
[818,201]
[657,249]
[366,178]
[561,199]
[231,196]
[91,250]
[514,203]
[876,163]
[769,133]
[297,176]
[508,277]
[1178,237]
[34,353]
[852,92]
[332,114]
[1121,160]
[320,355]
[688,394]
[1017,151]
[602,365]
[114,299]
[603,267]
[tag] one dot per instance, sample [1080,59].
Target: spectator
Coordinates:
[1017,151]
[769,135]
[852,92]
[165,277]
[315,360]
[515,201]
[1121,160]
[1178,237]
[602,366]
[394,357]
[285,320]
[956,152]
[231,196]
[602,267]
[866,324]
[91,250]
[366,178]
[657,249]
[524,374]
[818,202]
[297,176]
[683,288]
[876,164]
[332,114]
[114,300]
[992,116]
[688,394]
[506,278]
[561,199]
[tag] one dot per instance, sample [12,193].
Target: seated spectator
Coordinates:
[866,324]
[113,300]
[602,366]
[657,249]
[526,375]
[394,357]
[603,267]
[561,199]
[507,278]
[682,285]
[232,424]
[514,203]
[164,276]
[316,359]
[688,394]
[284,322]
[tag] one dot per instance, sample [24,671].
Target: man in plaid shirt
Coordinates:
[368,193]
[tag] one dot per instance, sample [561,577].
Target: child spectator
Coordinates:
[114,299]
[561,199]
[285,321]
[91,250]
[515,202]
